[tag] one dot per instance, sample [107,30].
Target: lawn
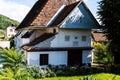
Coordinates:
[101,76]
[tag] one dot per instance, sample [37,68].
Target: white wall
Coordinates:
[55,57]
[5,44]
[59,40]
[86,56]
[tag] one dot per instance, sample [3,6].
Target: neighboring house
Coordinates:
[57,32]
[99,37]
[10,31]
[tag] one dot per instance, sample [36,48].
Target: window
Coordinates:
[54,30]
[11,30]
[67,38]
[76,37]
[75,43]
[43,59]
[84,38]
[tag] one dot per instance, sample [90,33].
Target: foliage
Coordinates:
[19,74]
[102,53]
[101,76]
[75,71]
[5,22]
[12,42]
[49,72]
[11,58]
[36,72]
[109,14]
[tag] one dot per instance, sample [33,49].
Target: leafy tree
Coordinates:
[109,14]
[102,53]
[11,58]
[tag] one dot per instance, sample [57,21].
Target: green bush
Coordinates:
[50,73]
[36,72]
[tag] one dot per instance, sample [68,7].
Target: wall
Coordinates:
[59,40]
[55,57]
[5,44]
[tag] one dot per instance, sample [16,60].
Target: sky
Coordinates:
[18,9]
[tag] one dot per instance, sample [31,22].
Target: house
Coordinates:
[57,32]
[99,37]
[10,31]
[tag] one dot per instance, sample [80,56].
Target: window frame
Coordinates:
[44,59]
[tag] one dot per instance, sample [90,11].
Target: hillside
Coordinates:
[5,22]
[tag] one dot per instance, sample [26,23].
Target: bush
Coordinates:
[50,73]
[36,72]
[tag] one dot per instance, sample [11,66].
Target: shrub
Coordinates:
[49,72]
[36,72]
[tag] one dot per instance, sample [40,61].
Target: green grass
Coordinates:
[101,76]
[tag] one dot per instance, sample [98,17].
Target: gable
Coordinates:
[80,17]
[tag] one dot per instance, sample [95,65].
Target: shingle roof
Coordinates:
[42,12]
[99,36]
[64,13]
[38,40]
[32,14]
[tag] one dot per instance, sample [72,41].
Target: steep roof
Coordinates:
[63,14]
[42,12]
[32,14]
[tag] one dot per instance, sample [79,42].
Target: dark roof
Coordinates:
[64,13]
[32,14]
[58,49]
[99,36]
[27,34]
[38,40]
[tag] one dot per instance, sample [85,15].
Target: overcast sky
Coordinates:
[17,9]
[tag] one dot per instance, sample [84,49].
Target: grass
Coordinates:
[101,76]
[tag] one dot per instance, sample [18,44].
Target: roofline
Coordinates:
[59,49]
[96,22]
[33,12]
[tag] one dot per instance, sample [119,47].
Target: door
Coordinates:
[75,58]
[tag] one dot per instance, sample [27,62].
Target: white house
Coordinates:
[10,31]
[57,33]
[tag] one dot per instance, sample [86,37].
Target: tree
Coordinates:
[109,14]
[11,58]
[9,74]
